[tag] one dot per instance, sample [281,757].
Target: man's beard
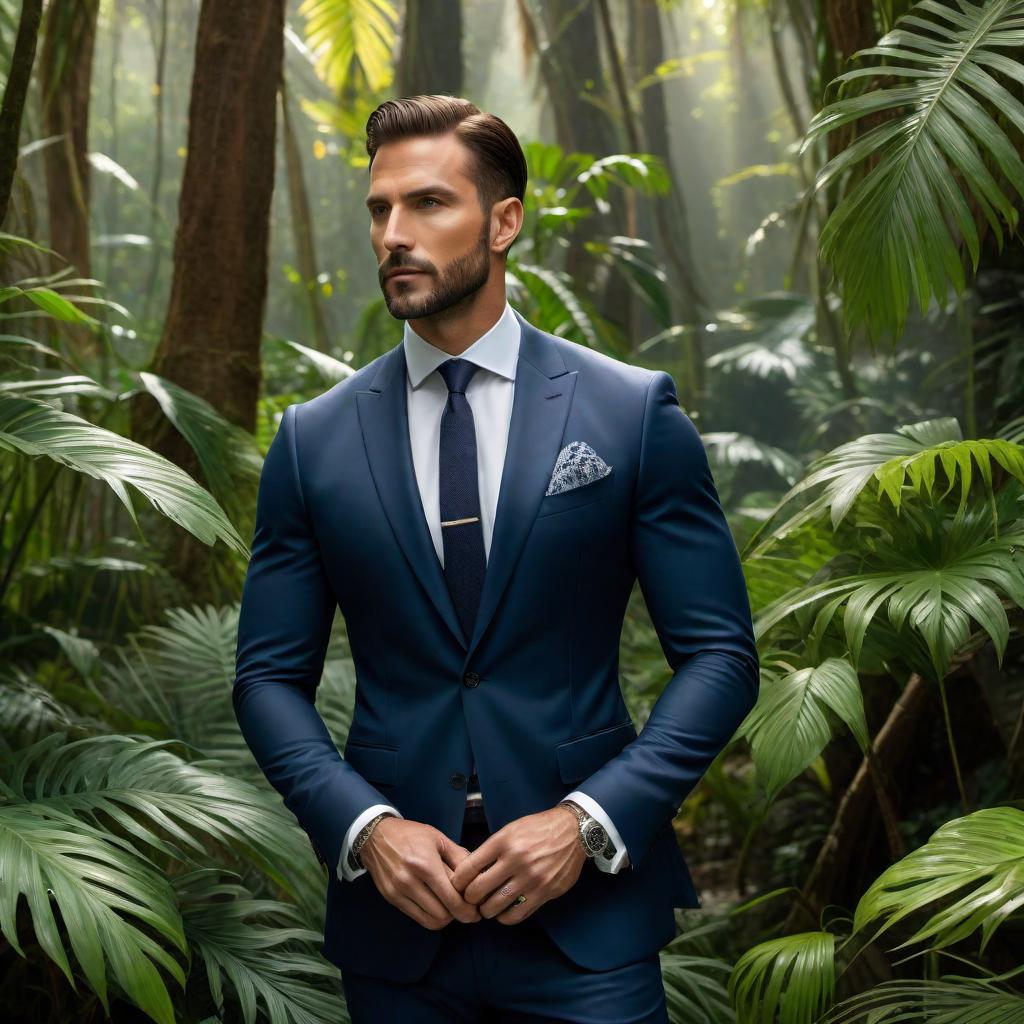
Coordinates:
[463,278]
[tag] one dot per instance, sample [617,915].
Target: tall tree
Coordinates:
[69,36]
[574,78]
[210,344]
[15,91]
[156,17]
[302,225]
[431,48]
[667,216]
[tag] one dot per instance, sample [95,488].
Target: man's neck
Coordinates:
[454,334]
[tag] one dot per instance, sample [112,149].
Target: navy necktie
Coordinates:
[462,535]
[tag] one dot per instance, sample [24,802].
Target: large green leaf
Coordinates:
[961,1000]
[901,224]
[330,369]
[790,725]
[891,461]
[931,576]
[348,34]
[262,949]
[973,865]
[35,428]
[793,976]
[227,453]
[766,336]
[156,797]
[99,886]
[695,986]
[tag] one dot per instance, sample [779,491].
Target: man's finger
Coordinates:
[480,858]
[413,908]
[444,902]
[441,885]
[486,882]
[453,854]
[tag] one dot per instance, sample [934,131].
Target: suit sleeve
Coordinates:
[691,578]
[284,626]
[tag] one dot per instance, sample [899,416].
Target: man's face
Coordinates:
[425,216]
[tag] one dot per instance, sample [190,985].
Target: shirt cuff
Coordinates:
[344,871]
[594,809]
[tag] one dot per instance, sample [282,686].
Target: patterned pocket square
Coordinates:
[577,464]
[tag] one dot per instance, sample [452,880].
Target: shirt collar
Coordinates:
[496,350]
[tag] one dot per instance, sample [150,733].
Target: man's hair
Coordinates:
[497,163]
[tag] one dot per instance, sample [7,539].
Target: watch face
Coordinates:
[595,837]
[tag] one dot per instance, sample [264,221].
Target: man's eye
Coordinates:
[428,199]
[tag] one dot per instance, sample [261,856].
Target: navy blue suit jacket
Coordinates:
[534,695]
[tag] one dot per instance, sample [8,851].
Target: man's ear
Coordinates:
[509,215]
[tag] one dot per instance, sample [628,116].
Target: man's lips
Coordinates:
[403,273]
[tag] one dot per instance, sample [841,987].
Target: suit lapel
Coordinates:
[541,400]
[384,422]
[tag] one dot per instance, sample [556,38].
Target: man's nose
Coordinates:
[396,234]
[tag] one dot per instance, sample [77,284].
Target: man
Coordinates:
[478,502]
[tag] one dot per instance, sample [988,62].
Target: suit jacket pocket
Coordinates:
[375,763]
[585,494]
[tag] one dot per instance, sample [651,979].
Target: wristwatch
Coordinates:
[593,835]
[355,862]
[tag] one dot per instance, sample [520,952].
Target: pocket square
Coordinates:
[577,464]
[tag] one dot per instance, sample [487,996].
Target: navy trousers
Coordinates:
[491,973]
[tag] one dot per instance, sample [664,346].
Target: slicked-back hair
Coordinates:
[497,163]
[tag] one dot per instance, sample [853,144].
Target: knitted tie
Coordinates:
[461,532]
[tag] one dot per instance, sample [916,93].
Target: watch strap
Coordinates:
[583,817]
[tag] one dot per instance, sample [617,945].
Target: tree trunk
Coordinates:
[158,33]
[210,343]
[666,216]
[18,76]
[302,227]
[571,67]
[69,36]
[430,58]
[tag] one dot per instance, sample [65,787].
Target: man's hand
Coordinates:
[540,856]
[412,865]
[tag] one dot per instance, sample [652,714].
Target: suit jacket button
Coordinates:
[471,679]
[458,780]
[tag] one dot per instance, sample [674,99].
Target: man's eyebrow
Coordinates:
[426,190]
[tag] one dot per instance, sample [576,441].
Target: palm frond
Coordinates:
[791,722]
[910,211]
[179,674]
[261,948]
[100,887]
[35,428]
[982,853]
[552,291]
[330,369]
[770,335]
[227,453]
[793,976]
[961,1000]
[55,384]
[692,990]
[351,33]
[155,797]
[907,457]
[730,448]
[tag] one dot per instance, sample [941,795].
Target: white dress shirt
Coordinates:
[489,393]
